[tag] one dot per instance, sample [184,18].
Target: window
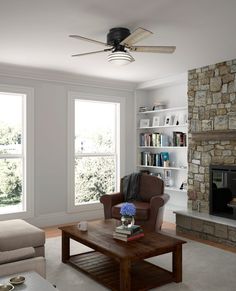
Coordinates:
[14,140]
[95,132]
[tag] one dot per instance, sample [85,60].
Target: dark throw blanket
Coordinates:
[130,187]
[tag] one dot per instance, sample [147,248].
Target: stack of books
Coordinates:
[128,234]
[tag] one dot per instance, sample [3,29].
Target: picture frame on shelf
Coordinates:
[156,121]
[167,178]
[168,120]
[176,120]
[144,123]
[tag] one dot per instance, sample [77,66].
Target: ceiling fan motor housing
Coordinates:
[116,35]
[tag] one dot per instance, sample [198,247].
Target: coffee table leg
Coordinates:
[125,278]
[65,247]
[177,264]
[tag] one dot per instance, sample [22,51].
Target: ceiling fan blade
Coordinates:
[153,49]
[139,34]
[90,53]
[88,39]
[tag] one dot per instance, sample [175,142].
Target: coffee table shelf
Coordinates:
[105,270]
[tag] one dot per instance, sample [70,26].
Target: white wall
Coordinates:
[51,143]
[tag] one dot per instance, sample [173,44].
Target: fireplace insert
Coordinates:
[223,191]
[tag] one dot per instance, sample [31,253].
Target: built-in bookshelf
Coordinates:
[162,145]
[161,108]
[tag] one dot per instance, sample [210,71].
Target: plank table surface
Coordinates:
[120,265]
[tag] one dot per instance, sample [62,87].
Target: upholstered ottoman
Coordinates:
[17,234]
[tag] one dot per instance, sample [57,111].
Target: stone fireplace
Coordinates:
[211,141]
[212,126]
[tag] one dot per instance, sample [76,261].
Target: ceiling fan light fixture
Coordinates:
[120,58]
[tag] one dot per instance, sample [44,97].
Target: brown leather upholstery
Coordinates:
[149,211]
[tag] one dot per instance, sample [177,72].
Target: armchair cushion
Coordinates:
[16,255]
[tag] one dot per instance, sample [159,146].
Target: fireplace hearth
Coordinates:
[222,191]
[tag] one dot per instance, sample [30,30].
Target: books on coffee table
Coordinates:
[129,230]
[128,234]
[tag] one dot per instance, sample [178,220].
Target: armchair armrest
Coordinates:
[109,200]
[16,255]
[157,210]
[159,201]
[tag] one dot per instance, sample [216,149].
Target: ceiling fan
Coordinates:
[120,41]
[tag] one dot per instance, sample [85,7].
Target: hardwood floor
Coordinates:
[167,228]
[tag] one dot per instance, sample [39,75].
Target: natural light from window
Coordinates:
[96,149]
[11,153]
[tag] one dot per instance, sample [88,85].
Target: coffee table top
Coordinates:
[99,237]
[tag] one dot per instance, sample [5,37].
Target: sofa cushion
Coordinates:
[142,210]
[17,233]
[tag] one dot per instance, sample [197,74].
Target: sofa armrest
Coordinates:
[16,255]
[109,200]
[37,264]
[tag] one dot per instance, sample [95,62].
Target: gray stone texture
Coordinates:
[211,106]
[221,122]
[207,230]
[215,84]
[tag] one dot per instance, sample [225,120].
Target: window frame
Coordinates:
[27,155]
[120,146]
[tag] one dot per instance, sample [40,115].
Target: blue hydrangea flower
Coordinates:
[128,209]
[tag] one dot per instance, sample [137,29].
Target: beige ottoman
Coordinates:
[17,233]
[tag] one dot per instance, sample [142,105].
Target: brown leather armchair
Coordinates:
[150,207]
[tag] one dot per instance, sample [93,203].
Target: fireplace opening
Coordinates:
[223,191]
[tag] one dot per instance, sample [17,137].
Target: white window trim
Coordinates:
[72,96]
[28,150]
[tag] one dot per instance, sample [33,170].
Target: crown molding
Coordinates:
[163,82]
[9,70]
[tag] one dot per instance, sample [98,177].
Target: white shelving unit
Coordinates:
[163,168]
[163,110]
[177,154]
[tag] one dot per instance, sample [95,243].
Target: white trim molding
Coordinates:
[163,82]
[64,77]
[28,155]
[72,95]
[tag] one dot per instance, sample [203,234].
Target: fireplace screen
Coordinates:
[223,191]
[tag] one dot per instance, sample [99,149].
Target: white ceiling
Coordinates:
[35,34]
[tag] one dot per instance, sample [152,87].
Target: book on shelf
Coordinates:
[127,238]
[154,159]
[179,139]
[151,139]
[129,230]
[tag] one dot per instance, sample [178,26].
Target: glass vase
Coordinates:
[127,221]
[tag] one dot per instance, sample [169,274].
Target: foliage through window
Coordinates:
[96,149]
[11,152]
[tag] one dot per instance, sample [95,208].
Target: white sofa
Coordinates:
[21,248]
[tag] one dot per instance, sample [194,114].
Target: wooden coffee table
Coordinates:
[120,265]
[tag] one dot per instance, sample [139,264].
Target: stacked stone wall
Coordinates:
[211,107]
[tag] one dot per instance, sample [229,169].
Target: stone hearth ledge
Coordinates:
[206,226]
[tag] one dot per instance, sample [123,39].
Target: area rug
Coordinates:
[205,268]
